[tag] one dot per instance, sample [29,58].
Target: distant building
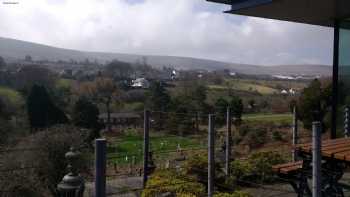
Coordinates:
[233,74]
[292,92]
[173,75]
[284,92]
[140,83]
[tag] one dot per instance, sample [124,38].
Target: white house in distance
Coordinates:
[140,83]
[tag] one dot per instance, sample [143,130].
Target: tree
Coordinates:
[2,62]
[85,115]
[221,105]
[33,74]
[158,98]
[314,98]
[49,161]
[42,112]
[236,106]
[118,70]
[104,91]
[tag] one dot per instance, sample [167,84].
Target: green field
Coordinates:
[244,86]
[122,149]
[268,117]
[11,95]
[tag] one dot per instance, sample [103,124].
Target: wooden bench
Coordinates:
[292,173]
[288,168]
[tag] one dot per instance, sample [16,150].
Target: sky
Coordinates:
[190,28]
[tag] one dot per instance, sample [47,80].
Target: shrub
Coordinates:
[172,182]
[240,170]
[234,194]
[244,130]
[258,167]
[49,159]
[277,136]
[262,163]
[258,137]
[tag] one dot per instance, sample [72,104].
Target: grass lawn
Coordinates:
[123,148]
[12,95]
[64,83]
[269,117]
[245,86]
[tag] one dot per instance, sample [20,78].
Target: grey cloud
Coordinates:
[193,28]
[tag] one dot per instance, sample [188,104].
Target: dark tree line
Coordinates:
[42,112]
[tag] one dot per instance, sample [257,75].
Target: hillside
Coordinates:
[12,49]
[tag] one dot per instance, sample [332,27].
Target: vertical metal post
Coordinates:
[100,168]
[295,132]
[316,159]
[347,121]
[197,123]
[335,79]
[146,125]
[211,158]
[228,141]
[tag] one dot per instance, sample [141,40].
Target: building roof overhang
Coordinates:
[316,12]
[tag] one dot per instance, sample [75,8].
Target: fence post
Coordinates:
[228,141]
[211,157]
[100,167]
[347,121]
[295,132]
[316,159]
[146,125]
[197,123]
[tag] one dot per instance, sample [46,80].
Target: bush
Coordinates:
[172,182]
[277,136]
[258,167]
[244,130]
[197,166]
[49,160]
[234,194]
[258,137]
[240,170]
[262,163]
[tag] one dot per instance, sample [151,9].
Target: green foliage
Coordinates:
[314,98]
[12,99]
[85,115]
[49,159]
[118,70]
[240,170]
[277,136]
[257,168]
[262,163]
[170,181]
[2,62]
[258,136]
[197,166]
[234,194]
[42,112]
[221,105]
[158,98]
[5,130]
[236,105]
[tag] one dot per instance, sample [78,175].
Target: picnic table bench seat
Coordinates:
[287,168]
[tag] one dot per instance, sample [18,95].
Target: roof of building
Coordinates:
[120,115]
[316,12]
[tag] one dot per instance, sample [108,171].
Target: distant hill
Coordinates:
[16,49]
